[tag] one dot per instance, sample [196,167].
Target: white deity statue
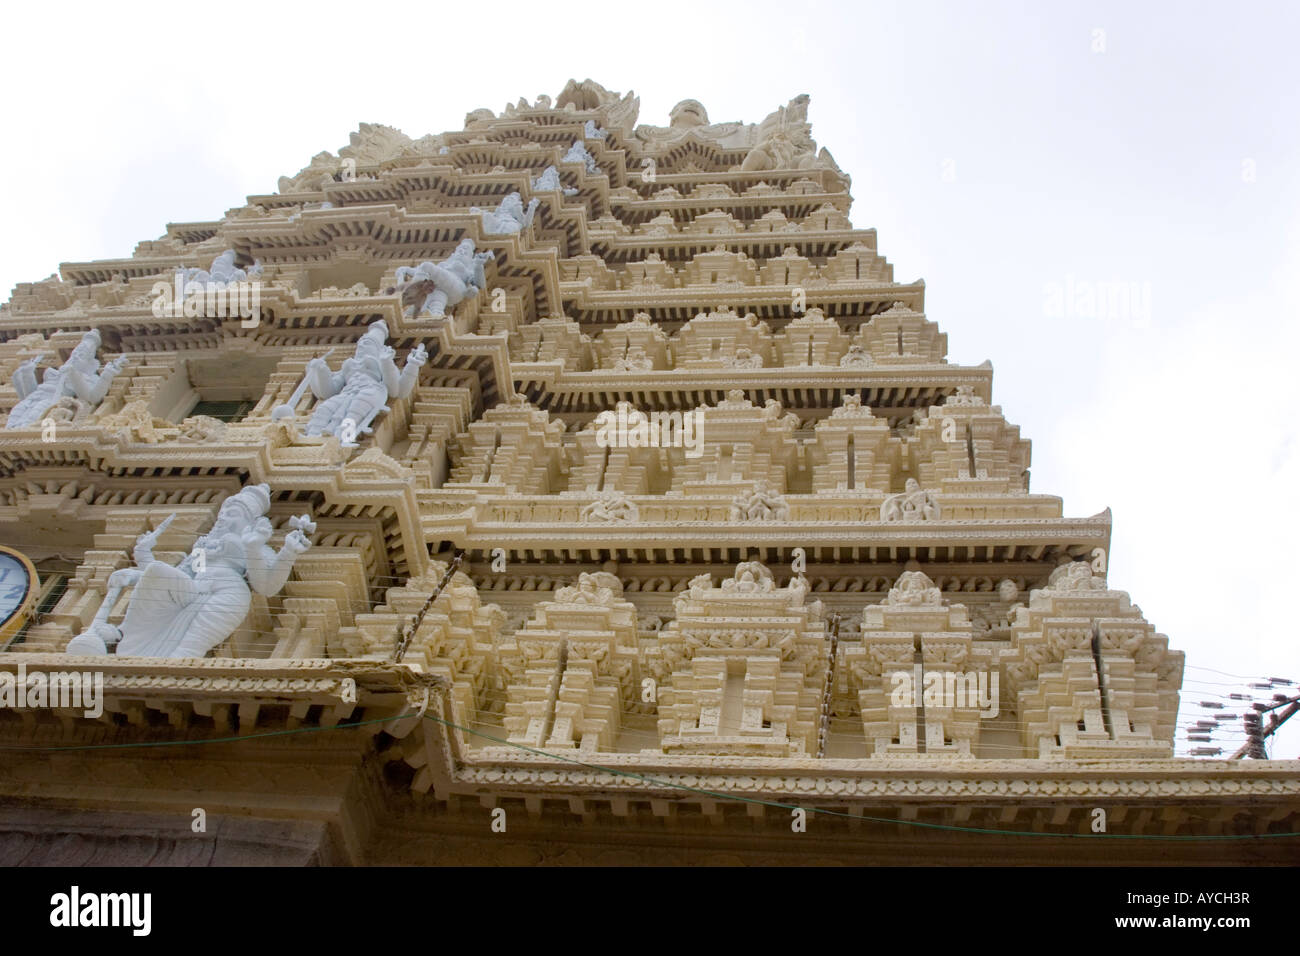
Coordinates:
[354,396]
[549,180]
[578,154]
[188,609]
[510,216]
[80,377]
[223,269]
[433,286]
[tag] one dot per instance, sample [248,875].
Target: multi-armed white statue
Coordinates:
[355,395]
[510,216]
[433,286]
[80,377]
[188,609]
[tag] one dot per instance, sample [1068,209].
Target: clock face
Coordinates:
[16,585]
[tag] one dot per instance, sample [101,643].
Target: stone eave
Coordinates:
[1012,540]
[827,178]
[682,247]
[838,300]
[642,210]
[548,385]
[1180,792]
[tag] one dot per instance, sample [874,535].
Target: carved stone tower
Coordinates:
[653,512]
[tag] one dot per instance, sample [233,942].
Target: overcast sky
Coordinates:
[1015,156]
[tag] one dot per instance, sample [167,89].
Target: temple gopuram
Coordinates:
[560,490]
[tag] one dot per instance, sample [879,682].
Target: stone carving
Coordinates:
[690,118]
[772,411]
[965,397]
[187,610]
[591,131]
[202,428]
[1008,591]
[596,588]
[431,287]
[549,180]
[914,589]
[782,141]
[750,577]
[356,290]
[856,357]
[510,216]
[80,377]
[634,361]
[610,507]
[764,503]
[134,423]
[1076,576]
[371,145]
[69,410]
[618,112]
[852,407]
[696,587]
[358,392]
[578,154]
[744,358]
[913,504]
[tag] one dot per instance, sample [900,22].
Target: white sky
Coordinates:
[995,151]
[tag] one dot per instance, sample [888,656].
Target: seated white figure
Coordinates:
[510,216]
[187,610]
[79,377]
[359,391]
[433,286]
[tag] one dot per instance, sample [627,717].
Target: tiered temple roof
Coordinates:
[715,625]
